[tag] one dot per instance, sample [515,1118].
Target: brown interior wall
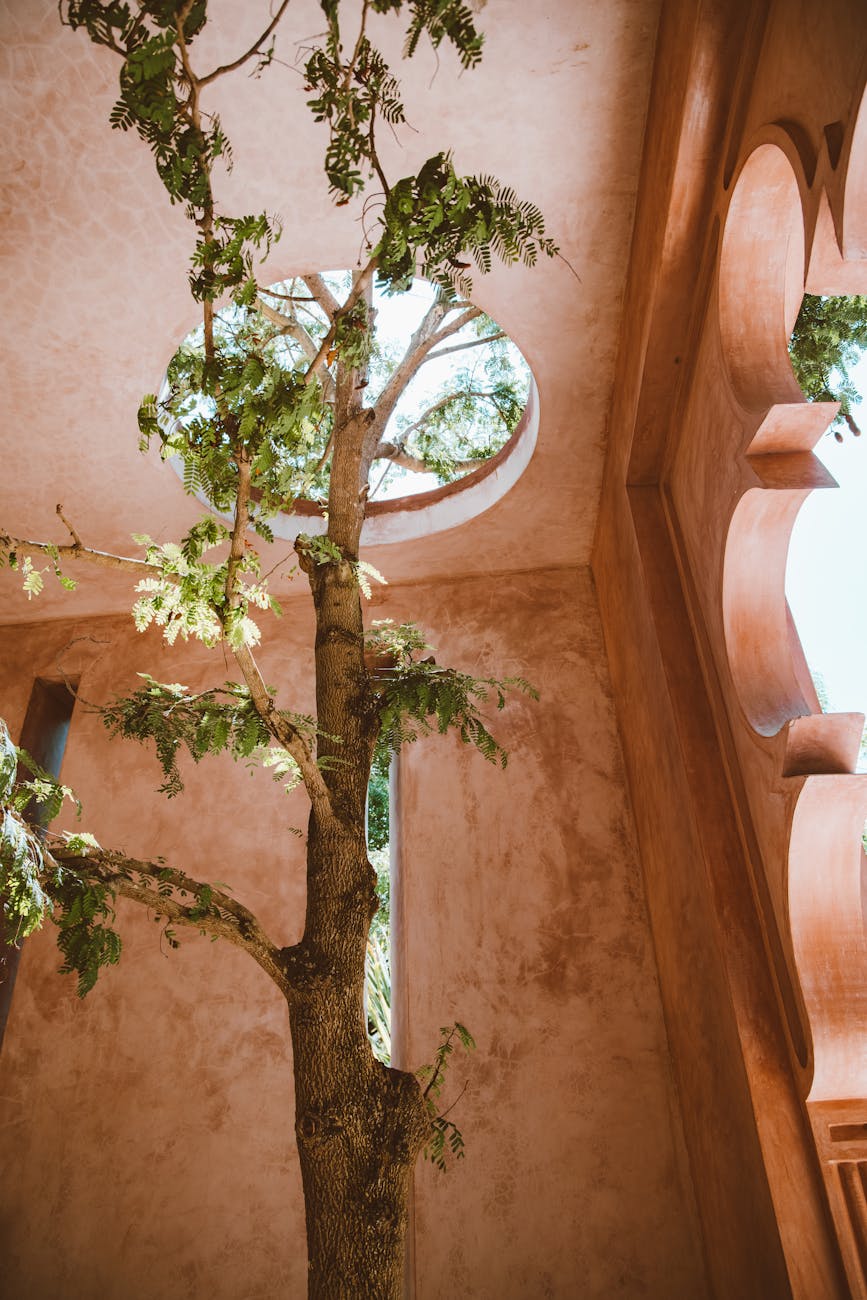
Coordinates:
[148,1144]
[525,918]
[712,807]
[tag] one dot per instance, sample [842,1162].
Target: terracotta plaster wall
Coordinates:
[722,787]
[148,1147]
[523,916]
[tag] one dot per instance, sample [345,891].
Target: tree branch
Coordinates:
[456,325]
[292,327]
[396,451]
[322,294]
[239,528]
[263,701]
[73,534]
[140,881]
[357,291]
[461,347]
[284,732]
[74,551]
[205,223]
[425,338]
[254,49]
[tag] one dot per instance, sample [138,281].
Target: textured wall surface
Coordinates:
[524,917]
[668,1099]
[148,1148]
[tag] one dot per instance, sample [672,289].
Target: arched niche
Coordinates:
[755,613]
[855,206]
[761,279]
[825,916]
[760,290]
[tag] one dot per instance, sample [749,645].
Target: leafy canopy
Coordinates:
[33,885]
[829,337]
[249,407]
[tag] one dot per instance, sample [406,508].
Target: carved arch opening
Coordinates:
[760,290]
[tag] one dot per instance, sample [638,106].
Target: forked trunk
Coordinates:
[359,1127]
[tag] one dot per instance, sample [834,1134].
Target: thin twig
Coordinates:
[456,1100]
[254,49]
[73,534]
[350,67]
[461,347]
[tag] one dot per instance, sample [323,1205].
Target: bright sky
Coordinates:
[397,317]
[826,579]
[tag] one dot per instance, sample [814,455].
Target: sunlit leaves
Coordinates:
[418,697]
[8,762]
[210,722]
[185,594]
[396,643]
[251,398]
[32,885]
[830,335]
[431,221]
[23,898]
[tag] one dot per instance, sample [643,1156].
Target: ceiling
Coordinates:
[94,262]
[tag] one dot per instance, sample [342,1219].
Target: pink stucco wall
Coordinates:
[148,1144]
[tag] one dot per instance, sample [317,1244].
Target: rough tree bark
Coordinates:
[360,1125]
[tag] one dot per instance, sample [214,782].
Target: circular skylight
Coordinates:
[446,388]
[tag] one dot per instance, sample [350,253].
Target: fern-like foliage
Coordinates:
[85,935]
[223,719]
[829,337]
[251,398]
[30,798]
[348,98]
[146,36]
[238,392]
[33,886]
[377,995]
[155,101]
[435,218]
[352,90]
[446,1140]
[416,697]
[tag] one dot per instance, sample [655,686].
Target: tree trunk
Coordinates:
[360,1127]
[359,1124]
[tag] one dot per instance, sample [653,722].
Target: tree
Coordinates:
[830,335]
[280,394]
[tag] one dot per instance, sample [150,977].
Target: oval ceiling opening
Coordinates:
[447,396]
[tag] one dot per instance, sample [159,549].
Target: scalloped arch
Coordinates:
[855,205]
[761,284]
[755,612]
[761,278]
[825,916]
